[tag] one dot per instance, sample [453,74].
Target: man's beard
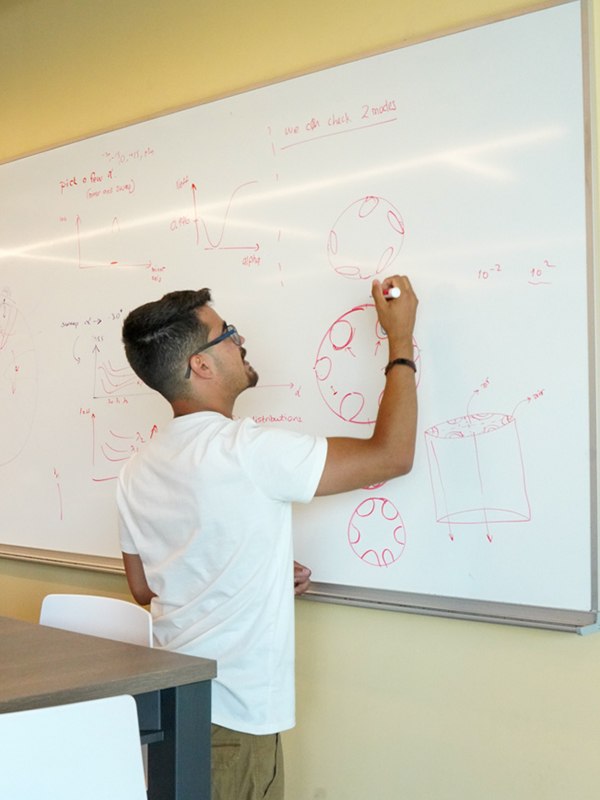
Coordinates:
[253,376]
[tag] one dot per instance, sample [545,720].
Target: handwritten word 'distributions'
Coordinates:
[281,418]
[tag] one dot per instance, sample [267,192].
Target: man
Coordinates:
[205,515]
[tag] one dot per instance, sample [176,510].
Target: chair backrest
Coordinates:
[106,617]
[85,750]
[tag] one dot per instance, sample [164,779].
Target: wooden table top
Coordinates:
[42,666]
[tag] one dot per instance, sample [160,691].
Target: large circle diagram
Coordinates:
[350,363]
[376,532]
[366,238]
[18,381]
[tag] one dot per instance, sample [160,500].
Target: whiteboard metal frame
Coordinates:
[59,558]
[557,619]
[591,166]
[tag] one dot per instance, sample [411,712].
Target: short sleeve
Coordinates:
[283,464]
[127,544]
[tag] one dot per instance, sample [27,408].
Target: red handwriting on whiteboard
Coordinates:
[139,154]
[338,121]
[155,276]
[270,418]
[67,183]
[181,222]
[530,399]
[93,178]
[248,261]
[485,274]
[377,111]
[342,117]
[542,276]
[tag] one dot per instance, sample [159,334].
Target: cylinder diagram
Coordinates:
[477,471]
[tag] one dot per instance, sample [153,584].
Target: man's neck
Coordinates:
[183,407]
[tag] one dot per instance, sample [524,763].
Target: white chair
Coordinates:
[98,616]
[85,750]
[105,617]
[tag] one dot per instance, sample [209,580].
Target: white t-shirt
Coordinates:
[206,505]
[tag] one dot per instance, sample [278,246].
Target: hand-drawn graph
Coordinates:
[113,443]
[204,219]
[105,246]
[477,471]
[113,377]
[353,355]
[366,238]
[376,532]
[18,381]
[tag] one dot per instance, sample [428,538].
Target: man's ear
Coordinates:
[202,366]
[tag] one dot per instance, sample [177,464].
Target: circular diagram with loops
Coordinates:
[366,238]
[350,363]
[376,532]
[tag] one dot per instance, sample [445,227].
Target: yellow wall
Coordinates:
[389,705]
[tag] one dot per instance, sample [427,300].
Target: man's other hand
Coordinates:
[301,578]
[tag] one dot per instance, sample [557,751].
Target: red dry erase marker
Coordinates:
[392,293]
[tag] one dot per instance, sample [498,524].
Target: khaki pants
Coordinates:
[246,767]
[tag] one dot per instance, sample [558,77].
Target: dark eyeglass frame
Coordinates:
[229,330]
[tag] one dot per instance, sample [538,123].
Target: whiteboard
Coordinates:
[459,161]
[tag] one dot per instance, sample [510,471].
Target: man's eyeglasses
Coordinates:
[229,330]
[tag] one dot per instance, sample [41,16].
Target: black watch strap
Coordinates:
[405,361]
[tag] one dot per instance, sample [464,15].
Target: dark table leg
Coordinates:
[179,766]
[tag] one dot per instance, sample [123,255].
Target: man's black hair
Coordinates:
[160,337]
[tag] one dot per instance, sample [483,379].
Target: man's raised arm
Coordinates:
[354,463]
